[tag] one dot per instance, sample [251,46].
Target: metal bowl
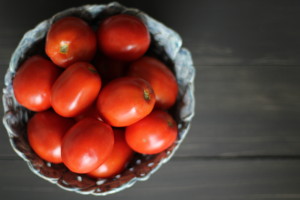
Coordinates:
[166,45]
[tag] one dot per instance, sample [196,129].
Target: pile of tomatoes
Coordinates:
[97,97]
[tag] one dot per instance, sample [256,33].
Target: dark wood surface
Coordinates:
[244,142]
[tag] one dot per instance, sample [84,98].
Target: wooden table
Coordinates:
[245,137]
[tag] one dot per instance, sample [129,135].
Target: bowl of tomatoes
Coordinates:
[98,97]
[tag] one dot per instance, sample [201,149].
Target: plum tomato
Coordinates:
[109,68]
[153,134]
[33,81]
[87,145]
[75,89]
[117,159]
[45,131]
[123,37]
[160,78]
[69,40]
[90,112]
[125,100]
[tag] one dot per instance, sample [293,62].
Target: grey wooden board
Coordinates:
[245,110]
[244,142]
[179,179]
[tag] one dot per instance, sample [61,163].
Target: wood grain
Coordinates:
[246,110]
[179,179]
[244,141]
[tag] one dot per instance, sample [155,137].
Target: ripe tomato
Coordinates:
[69,40]
[33,81]
[160,78]
[90,112]
[123,37]
[109,68]
[87,145]
[75,89]
[116,160]
[153,134]
[45,131]
[125,100]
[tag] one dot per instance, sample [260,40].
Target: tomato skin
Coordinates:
[160,78]
[45,131]
[69,40]
[125,100]
[90,112]
[75,89]
[123,37]
[153,134]
[116,160]
[33,81]
[87,145]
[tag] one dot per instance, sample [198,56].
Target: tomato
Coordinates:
[160,78]
[153,134]
[125,100]
[116,160]
[75,89]
[87,145]
[110,69]
[90,112]
[45,131]
[69,40]
[33,81]
[123,37]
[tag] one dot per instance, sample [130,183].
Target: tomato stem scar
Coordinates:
[64,47]
[91,69]
[147,94]
[170,124]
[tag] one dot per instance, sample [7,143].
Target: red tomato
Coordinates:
[153,134]
[33,81]
[69,40]
[160,78]
[109,69]
[75,89]
[45,132]
[125,101]
[90,112]
[87,145]
[116,160]
[123,37]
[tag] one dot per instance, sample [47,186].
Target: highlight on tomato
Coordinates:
[125,100]
[45,132]
[160,78]
[117,159]
[152,134]
[70,40]
[33,82]
[123,37]
[87,145]
[75,89]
